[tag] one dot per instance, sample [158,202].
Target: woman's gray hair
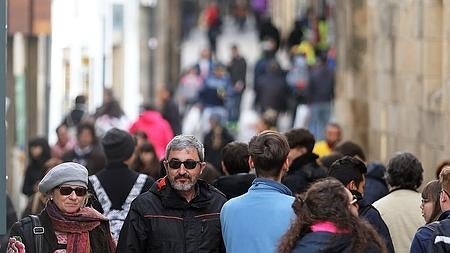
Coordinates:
[181,142]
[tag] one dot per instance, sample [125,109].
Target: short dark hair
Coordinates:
[404,171]
[80,99]
[269,151]
[329,159]
[235,157]
[300,137]
[348,169]
[351,149]
[87,126]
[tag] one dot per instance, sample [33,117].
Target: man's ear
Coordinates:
[250,163]
[224,168]
[351,185]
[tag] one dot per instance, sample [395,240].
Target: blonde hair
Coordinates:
[444,177]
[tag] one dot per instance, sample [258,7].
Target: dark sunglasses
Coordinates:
[67,190]
[188,164]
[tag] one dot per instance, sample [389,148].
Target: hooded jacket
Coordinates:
[160,220]
[158,130]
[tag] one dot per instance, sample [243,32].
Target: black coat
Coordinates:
[303,171]
[234,185]
[162,221]
[98,237]
[113,175]
[371,214]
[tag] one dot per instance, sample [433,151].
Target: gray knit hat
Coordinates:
[64,173]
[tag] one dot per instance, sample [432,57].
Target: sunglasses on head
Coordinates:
[67,190]
[188,164]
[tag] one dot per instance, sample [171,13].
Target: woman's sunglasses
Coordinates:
[67,190]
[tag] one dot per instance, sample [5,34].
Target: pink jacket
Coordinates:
[158,130]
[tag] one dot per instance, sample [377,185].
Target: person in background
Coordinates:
[256,220]
[351,171]
[237,179]
[238,72]
[431,209]
[213,23]
[376,185]
[327,221]
[400,209]
[188,88]
[11,217]
[435,236]
[179,213]
[440,166]
[110,115]
[77,115]
[333,135]
[112,201]
[320,93]
[169,109]
[352,149]
[38,154]
[217,137]
[87,151]
[157,129]
[146,161]
[66,224]
[64,143]
[36,202]
[303,166]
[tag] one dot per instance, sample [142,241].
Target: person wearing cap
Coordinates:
[65,223]
[180,213]
[111,200]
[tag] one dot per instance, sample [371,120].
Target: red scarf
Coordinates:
[77,226]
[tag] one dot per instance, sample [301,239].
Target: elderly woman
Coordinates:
[66,225]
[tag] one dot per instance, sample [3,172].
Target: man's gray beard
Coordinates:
[181,186]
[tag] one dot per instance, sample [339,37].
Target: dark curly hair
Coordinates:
[327,200]
[404,171]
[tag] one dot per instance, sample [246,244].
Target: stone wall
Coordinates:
[393,77]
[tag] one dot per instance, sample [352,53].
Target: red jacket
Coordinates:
[158,130]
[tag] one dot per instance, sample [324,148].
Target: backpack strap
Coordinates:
[38,233]
[135,191]
[101,193]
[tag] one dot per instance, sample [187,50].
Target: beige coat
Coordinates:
[401,212]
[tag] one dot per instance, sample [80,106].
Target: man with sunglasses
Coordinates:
[180,213]
[255,221]
[435,236]
[351,171]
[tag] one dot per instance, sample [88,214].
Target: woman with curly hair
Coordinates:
[327,222]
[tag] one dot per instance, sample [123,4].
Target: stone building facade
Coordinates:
[393,77]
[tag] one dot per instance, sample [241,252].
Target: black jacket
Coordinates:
[23,228]
[371,214]
[234,185]
[162,221]
[303,171]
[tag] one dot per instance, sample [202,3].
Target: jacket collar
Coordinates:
[171,199]
[268,184]
[302,160]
